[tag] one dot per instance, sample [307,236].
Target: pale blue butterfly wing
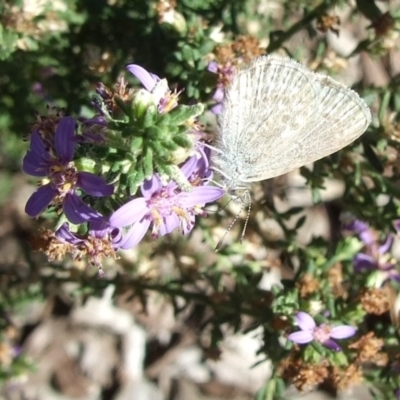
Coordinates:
[278,116]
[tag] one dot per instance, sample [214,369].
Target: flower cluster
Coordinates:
[138,140]
[375,257]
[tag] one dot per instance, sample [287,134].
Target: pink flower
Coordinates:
[323,333]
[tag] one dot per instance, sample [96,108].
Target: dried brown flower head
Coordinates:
[46,125]
[280,323]
[243,50]
[304,376]
[335,278]
[368,350]
[233,55]
[307,285]
[164,7]
[310,375]
[391,129]
[247,48]
[375,301]
[327,23]
[46,242]
[94,249]
[109,96]
[167,14]
[344,378]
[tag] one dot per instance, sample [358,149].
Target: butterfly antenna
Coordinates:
[221,241]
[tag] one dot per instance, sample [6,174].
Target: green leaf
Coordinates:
[183,113]
[148,163]
[372,158]
[300,222]
[182,141]
[135,178]
[136,144]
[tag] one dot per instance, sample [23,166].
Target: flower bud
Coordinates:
[176,20]
[141,101]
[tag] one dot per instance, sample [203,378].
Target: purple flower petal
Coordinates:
[115,236]
[99,228]
[301,337]
[200,195]
[394,275]
[171,222]
[134,235]
[364,261]
[217,109]
[40,200]
[94,185]
[212,67]
[190,165]
[356,226]
[219,95]
[187,224]
[386,246]
[65,235]
[151,186]
[38,147]
[367,237]
[129,213]
[305,321]
[386,267]
[34,166]
[147,80]
[332,345]
[77,211]
[64,139]
[342,331]
[362,229]
[36,160]
[204,163]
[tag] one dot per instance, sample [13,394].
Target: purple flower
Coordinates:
[55,163]
[377,258]
[101,241]
[147,79]
[321,334]
[397,394]
[162,96]
[213,67]
[361,229]
[168,207]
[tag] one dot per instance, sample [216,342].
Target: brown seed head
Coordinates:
[375,301]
